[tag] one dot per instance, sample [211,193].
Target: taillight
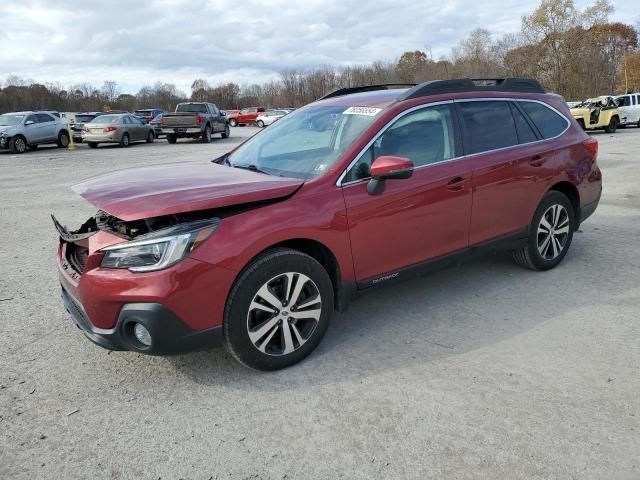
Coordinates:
[161,120]
[110,129]
[198,120]
[592,145]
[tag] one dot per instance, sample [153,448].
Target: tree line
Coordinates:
[576,53]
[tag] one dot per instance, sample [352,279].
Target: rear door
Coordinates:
[510,165]
[415,219]
[217,120]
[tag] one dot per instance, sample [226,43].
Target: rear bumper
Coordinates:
[182,130]
[169,334]
[587,210]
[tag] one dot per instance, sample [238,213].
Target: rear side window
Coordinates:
[44,118]
[548,122]
[489,125]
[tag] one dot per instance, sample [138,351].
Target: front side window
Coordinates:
[424,136]
[489,125]
[306,143]
[548,122]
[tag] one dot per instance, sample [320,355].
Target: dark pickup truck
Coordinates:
[194,120]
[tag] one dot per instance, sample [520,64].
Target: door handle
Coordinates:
[455,184]
[537,160]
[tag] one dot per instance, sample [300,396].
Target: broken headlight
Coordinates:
[159,249]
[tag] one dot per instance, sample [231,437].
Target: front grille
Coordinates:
[77,256]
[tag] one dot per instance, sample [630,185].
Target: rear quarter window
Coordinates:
[549,123]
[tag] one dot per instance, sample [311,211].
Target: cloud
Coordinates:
[176,41]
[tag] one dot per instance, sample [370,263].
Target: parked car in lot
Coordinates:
[268,118]
[148,114]
[20,131]
[246,116]
[598,113]
[194,120]
[258,247]
[77,125]
[116,128]
[629,106]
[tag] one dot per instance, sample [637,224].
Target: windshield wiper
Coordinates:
[251,167]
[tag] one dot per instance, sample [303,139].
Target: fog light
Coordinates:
[142,334]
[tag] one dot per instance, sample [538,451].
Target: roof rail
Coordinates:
[364,88]
[436,87]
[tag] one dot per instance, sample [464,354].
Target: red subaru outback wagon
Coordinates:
[367,185]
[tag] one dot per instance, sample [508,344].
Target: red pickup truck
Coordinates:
[246,116]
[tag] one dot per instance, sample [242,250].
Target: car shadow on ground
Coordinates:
[414,322]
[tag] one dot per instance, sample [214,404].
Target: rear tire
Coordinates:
[260,124]
[18,144]
[206,135]
[613,125]
[150,137]
[278,310]
[171,138]
[550,233]
[92,144]
[124,140]
[63,139]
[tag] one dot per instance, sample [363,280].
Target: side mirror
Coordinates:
[224,114]
[388,167]
[29,122]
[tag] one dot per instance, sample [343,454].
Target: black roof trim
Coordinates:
[437,87]
[365,88]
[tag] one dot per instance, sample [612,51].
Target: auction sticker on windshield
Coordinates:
[368,111]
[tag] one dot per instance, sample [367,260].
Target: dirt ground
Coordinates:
[481,371]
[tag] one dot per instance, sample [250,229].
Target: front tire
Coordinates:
[613,125]
[260,124]
[550,234]
[233,122]
[150,137]
[171,138]
[18,144]
[227,132]
[278,310]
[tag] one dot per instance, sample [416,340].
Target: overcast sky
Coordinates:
[246,41]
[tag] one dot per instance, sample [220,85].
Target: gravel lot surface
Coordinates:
[481,371]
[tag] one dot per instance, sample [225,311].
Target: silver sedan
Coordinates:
[119,128]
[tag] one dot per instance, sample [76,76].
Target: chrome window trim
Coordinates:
[461,100]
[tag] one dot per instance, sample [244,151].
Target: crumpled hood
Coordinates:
[5,129]
[153,191]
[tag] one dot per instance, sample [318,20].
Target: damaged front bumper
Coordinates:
[181,307]
[169,335]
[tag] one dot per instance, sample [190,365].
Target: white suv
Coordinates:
[629,106]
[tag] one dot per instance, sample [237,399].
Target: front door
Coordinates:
[416,219]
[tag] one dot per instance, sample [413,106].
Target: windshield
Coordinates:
[305,143]
[10,120]
[192,107]
[106,119]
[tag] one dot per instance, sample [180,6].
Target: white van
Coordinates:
[629,105]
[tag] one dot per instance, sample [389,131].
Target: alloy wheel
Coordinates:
[553,232]
[284,313]
[21,145]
